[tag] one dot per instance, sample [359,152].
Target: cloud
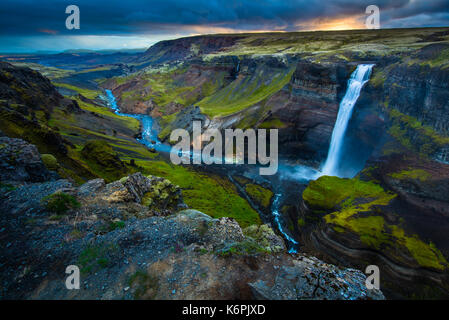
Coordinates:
[167,18]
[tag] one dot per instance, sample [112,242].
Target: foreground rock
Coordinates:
[310,278]
[21,162]
[128,247]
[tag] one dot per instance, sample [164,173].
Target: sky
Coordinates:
[27,26]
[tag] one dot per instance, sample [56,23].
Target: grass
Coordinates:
[324,44]
[210,194]
[104,160]
[60,203]
[88,93]
[244,92]
[112,225]
[170,86]
[95,257]
[131,123]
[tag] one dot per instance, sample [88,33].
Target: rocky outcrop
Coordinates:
[312,279]
[21,162]
[146,195]
[184,120]
[125,250]
[23,86]
[180,49]
[357,223]
[421,92]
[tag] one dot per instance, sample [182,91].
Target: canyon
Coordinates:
[385,202]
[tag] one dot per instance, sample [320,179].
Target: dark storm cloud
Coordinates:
[21,17]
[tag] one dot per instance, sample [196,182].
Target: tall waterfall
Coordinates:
[358,78]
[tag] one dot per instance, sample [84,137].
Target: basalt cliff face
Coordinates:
[296,92]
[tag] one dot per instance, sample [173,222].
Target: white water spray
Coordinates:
[358,78]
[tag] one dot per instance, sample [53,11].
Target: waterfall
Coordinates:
[358,78]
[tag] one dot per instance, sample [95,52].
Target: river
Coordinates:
[299,173]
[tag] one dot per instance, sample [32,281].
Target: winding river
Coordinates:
[300,173]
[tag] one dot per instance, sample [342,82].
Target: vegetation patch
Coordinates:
[213,195]
[90,94]
[145,285]
[50,161]
[415,174]
[427,255]
[245,92]
[60,203]
[328,192]
[104,160]
[358,209]
[95,257]
[262,235]
[414,136]
[259,194]
[272,124]
[162,195]
[111,226]
[246,247]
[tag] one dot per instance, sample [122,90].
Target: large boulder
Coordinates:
[20,161]
[312,279]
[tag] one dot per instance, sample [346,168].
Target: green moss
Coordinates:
[355,199]
[262,235]
[60,203]
[327,192]
[259,194]
[418,174]
[162,195]
[50,161]
[272,124]
[427,255]
[358,206]
[370,229]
